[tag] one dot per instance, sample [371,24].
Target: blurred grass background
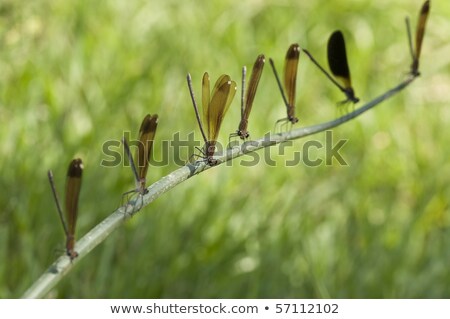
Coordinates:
[75,74]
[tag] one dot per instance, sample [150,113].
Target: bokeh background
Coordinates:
[75,74]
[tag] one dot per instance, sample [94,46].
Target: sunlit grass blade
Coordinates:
[290,81]
[249,96]
[73,186]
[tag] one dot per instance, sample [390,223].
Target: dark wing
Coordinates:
[253,84]
[337,59]
[221,97]
[73,186]
[290,73]
[146,137]
[420,31]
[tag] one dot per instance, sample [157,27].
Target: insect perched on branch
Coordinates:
[337,61]
[215,104]
[420,31]
[248,95]
[73,186]
[290,81]
[145,140]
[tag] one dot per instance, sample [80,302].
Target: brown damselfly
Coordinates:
[143,153]
[73,185]
[420,31]
[248,96]
[290,81]
[215,104]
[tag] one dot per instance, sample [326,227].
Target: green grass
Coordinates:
[76,74]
